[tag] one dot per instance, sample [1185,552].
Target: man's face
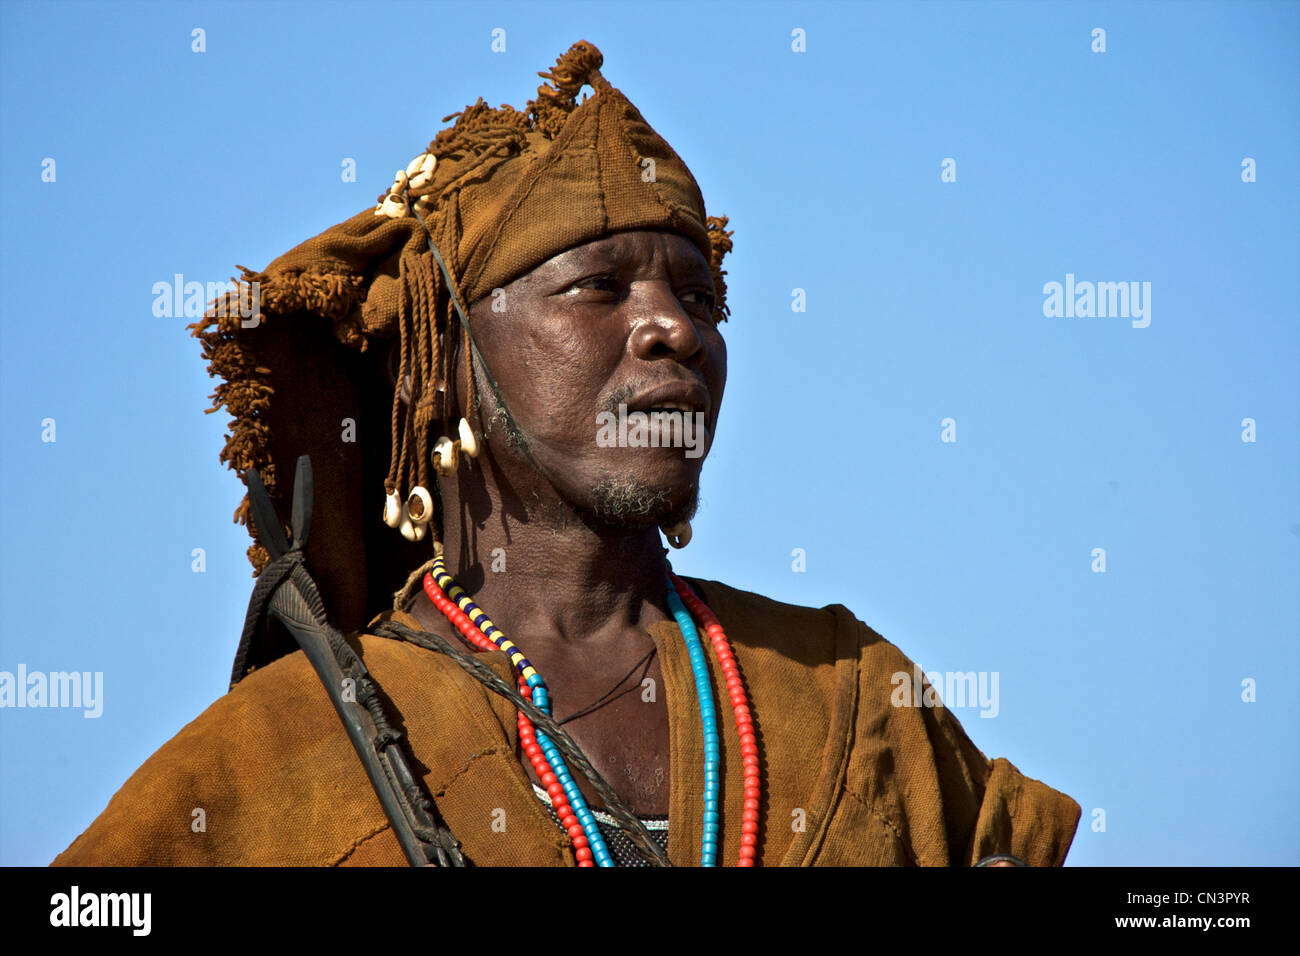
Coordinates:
[624,320]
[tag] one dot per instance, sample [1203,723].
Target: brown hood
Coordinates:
[508,190]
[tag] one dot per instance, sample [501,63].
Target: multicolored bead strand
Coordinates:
[552,772]
[547,762]
[744,717]
[554,788]
[467,616]
[527,738]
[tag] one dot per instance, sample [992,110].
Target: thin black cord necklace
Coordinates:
[601,701]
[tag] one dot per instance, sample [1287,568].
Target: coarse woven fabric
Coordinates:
[848,779]
[532,194]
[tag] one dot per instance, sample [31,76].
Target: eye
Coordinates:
[701,300]
[599,283]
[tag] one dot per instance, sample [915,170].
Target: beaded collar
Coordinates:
[567,801]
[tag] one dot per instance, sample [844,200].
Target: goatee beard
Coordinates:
[626,503]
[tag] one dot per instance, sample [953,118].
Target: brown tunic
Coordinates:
[848,778]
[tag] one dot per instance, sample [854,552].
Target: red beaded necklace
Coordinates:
[740,708]
[546,774]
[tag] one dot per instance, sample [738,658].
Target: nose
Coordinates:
[663,326]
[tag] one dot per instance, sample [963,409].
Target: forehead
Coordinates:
[640,247]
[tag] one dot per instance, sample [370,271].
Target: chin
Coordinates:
[630,502]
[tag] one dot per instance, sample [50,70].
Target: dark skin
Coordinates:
[625,318]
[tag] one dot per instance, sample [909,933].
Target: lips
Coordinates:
[688,397]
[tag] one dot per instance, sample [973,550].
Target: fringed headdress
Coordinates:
[499,192]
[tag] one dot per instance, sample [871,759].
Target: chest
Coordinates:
[623,729]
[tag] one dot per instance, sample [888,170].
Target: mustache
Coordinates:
[622,394]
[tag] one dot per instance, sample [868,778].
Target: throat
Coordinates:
[627,741]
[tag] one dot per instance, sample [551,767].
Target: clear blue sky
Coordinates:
[924,302]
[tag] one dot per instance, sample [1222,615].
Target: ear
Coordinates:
[455,344]
[391,366]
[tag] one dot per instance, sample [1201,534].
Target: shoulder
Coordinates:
[807,636]
[911,773]
[264,776]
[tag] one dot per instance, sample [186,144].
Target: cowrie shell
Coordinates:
[679,535]
[444,453]
[423,502]
[420,170]
[393,207]
[392,510]
[411,531]
[468,442]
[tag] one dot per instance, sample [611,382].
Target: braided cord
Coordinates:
[625,819]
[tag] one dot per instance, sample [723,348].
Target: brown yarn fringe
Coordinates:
[719,245]
[574,69]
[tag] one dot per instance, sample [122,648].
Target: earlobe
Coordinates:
[391,362]
[391,366]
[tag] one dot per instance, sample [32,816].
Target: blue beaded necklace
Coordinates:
[541,697]
[712,755]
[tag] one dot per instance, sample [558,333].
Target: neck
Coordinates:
[549,578]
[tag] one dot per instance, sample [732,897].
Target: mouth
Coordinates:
[686,397]
[670,416]
[668,407]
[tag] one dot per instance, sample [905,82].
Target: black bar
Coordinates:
[836,910]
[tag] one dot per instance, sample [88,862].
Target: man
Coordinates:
[532,278]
